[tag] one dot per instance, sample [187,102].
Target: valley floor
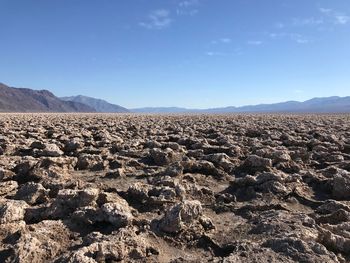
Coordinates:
[174,188]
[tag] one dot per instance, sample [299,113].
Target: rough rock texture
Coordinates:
[147,188]
[41,242]
[341,185]
[12,211]
[181,216]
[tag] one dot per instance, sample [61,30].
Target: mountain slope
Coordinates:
[315,105]
[161,110]
[28,100]
[98,104]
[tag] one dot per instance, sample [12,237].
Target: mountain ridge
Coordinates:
[29,100]
[99,105]
[333,104]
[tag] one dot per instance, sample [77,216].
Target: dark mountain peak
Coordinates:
[45,92]
[28,100]
[98,104]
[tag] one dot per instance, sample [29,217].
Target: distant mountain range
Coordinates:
[163,110]
[315,105]
[28,100]
[98,104]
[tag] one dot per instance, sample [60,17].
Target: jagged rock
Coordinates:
[336,217]
[256,163]
[32,193]
[88,161]
[265,177]
[274,222]
[221,160]
[115,163]
[341,186]
[164,157]
[154,195]
[8,187]
[6,174]
[195,153]
[270,182]
[301,251]
[174,170]
[41,242]
[139,191]
[158,195]
[174,146]
[119,246]
[180,216]
[12,211]
[339,229]
[38,145]
[106,197]
[73,145]
[51,150]
[67,201]
[245,181]
[65,163]
[337,158]
[9,232]
[203,167]
[331,207]
[120,172]
[118,214]
[152,144]
[87,215]
[206,222]
[280,156]
[48,175]
[226,198]
[334,242]
[113,210]
[23,168]
[248,252]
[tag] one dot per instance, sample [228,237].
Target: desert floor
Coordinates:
[172,188]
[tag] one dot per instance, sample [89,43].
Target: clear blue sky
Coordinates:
[189,53]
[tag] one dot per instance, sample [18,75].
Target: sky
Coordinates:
[186,53]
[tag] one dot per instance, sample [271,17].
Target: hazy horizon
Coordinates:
[192,54]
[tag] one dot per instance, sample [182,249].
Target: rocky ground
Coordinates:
[133,188]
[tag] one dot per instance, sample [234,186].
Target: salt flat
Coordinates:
[174,188]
